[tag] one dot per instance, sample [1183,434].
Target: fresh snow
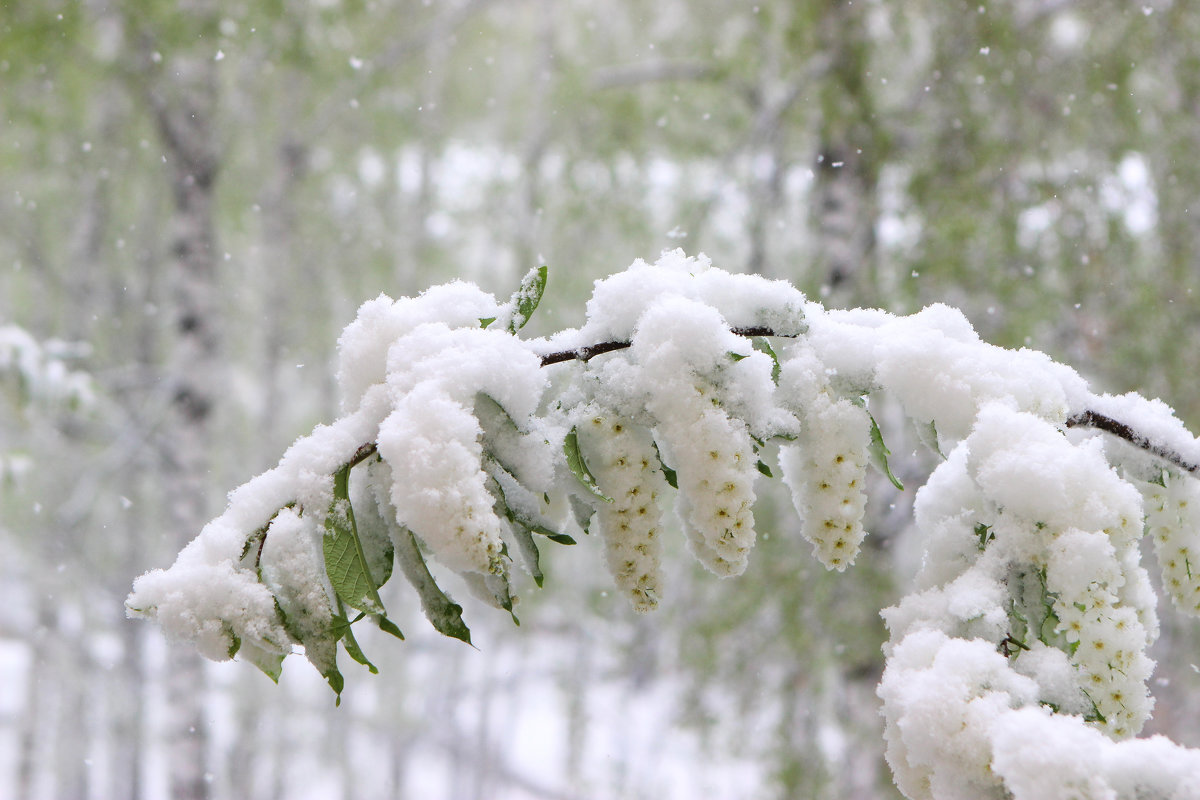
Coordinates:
[1016,668]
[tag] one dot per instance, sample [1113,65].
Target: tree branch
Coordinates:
[369,449]
[1094,419]
[590,351]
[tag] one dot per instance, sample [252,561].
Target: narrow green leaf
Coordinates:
[492,588]
[345,560]
[762,345]
[518,524]
[336,682]
[253,541]
[736,357]
[497,583]
[485,321]
[341,623]
[557,538]
[525,301]
[320,650]
[582,511]
[444,614]
[764,469]
[579,468]
[355,652]
[1094,715]
[235,641]
[668,473]
[488,409]
[388,563]
[984,532]
[878,451]
[529,552]
[387,626]
[270,664]
[927,434]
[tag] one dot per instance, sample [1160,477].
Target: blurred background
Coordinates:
[196,195]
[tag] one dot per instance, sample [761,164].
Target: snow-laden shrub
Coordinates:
[1016,668]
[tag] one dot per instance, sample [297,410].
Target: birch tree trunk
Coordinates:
[182,96]
[844,197]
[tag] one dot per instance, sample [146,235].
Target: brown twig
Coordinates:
[1102,422]
[592,350]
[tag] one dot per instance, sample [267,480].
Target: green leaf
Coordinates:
[527,297]
[336,682]
[984,532]
[764,469]
[355,652]
[444,614]
[927,434]
[485,321]
[271,664]
[762,345]
[388,563]
[582,511]
[529,550]
[387,626]
[1094,715]
[254,541]
[520,526]
[235,641]
[345,560]
[579,467]
[878,451]
[668,473]
[497,583]
[492,588]
[557,538]
[489,410]
[519,517]
[736,357]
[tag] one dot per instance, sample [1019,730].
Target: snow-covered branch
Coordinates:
[1032,613]
[1102,422]
[590,351]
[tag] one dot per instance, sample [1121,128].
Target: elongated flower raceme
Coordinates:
[622,458]
[1105,637]
[826,471]
[681,343]
[1173,522]
[826,468]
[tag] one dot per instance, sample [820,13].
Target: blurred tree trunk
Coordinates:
[181,91]
[844,202]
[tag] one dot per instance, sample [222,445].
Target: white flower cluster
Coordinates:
[1032,549]
[1105,636]
[703,392]
[973,728]
[715,462]
[1031,614]
[826,468]
[622,458]
[711,452]
[1173,522]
